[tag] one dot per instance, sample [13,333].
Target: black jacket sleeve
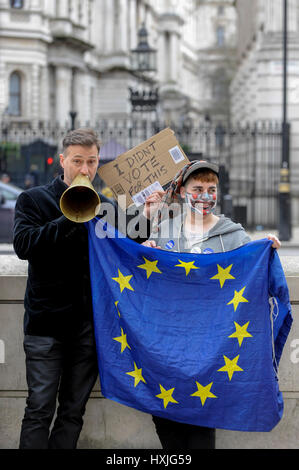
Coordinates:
[34,235]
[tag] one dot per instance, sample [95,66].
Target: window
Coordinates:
[16,3]
[220,36]
[14,107]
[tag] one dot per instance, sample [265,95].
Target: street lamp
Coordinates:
[284,185]
[143,58]
[73,115]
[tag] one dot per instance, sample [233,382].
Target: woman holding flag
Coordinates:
[191,226]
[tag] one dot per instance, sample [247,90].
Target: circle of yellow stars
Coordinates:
[230,365]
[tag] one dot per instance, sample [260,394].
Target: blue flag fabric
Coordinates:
[190,337]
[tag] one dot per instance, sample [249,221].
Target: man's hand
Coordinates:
[276,243]
[151,244]
[152,203]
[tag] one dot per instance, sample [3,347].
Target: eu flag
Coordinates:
[194,338]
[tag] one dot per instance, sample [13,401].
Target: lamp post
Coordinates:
[284,184]
[73,115]
[144,60]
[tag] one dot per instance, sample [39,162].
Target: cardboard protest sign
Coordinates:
[145,168]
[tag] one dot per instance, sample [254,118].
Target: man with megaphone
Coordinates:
[58,327]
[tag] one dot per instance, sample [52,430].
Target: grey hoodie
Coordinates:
[224,236]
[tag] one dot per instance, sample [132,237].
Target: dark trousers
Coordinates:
[174,435]
[67,370]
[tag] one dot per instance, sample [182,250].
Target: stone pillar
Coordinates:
[62,9]
[133,22]
[80,104]
[63,94]
[35,93]
[109,26]
[174,57]
[162,57]
[44,94]
[121,31]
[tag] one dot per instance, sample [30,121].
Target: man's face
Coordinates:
[201,194]
[79,159]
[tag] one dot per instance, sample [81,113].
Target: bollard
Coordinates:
[227,207]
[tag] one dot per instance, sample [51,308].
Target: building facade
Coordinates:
[67,63]
[62,56]
[256,89]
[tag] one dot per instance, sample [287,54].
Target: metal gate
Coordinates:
[249,157]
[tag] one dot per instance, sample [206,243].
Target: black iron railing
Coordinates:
[249,156]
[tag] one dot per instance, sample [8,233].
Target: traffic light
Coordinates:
[50,161]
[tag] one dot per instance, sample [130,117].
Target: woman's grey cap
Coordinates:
[200,164]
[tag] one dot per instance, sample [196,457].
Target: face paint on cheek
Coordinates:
[212,203]
[196,202]
[191,200]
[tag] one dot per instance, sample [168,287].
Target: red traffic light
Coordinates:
[50,161]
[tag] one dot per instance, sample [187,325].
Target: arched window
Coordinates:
[14,107]
[16,3]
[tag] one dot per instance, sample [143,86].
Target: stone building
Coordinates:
[256,91]
[58,56]
[219,64]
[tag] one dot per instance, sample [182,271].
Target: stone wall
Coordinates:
[107,424]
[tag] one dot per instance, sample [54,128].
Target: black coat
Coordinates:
[58,292]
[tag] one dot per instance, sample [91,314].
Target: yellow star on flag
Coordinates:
[150,267]
[203,392]
[123,341]
[137,374]
[123,281]
[231,366]
[166,396]
[241,332]
[223,274]
[238,297]
[187,266]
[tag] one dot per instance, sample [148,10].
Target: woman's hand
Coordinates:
[276,243]
[151,244]
[152,203]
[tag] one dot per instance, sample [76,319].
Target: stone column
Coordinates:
[174,56]
[44,94]
[35,93]
[121,31]
[109,26]
[62,9]
[80,97]
[133,29]
[163,58]
[63,94]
